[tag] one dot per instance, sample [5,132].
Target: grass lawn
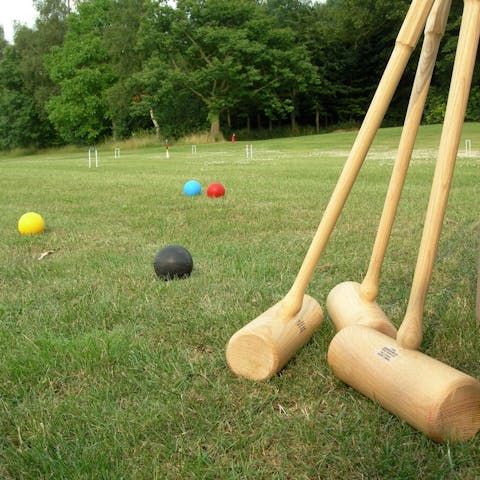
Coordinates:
[108,373]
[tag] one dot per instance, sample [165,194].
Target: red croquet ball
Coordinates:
[215,190]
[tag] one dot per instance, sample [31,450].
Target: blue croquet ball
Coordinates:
[192,187]
[173,262]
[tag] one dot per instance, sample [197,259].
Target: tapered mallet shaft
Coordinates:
[438,400]
[434,398]
[352,303]
[277,329]
[410,332]
[405,43]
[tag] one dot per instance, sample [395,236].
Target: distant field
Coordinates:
[108,373]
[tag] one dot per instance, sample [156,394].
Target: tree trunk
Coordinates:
[114,131]
[293,123]
[155,123]
[214,119]
[317,120]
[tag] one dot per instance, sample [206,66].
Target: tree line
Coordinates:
[95,69]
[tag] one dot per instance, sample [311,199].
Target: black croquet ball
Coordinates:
[172,262]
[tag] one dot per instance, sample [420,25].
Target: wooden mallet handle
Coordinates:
[351,303]
[410,332]
[405,43]
[434,31]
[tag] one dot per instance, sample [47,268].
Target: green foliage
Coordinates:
[82,70]
[120,39]
[18,117]
[97,69]
[435,106]
[473,110]
[16,121]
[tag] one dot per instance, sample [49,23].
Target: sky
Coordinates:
[20,10]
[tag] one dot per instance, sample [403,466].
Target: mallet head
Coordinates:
[433,397]
[345,306]
[262,347]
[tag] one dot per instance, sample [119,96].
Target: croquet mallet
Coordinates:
[352,303]
[262,347]
[433,397]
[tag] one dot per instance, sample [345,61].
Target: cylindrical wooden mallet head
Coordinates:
[345,307]
[262,347]
[436,399]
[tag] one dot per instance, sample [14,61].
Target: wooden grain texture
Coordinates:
[350,303]
[404,45]
[434,398]
[346,306]
[262,347]
[279,321]
[434,31]
[410,332]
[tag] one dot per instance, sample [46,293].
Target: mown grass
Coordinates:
[107,372]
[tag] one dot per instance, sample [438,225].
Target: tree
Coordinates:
[285,63]
[82,70]
[31,46]
[17,113]
[217,62]
[3,41]
[352,47]
[233,57]
[159,98]
[174,111]
[26,94]
[125,58]
[438,95]
[95,68]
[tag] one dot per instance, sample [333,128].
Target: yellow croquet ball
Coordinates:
[31,223]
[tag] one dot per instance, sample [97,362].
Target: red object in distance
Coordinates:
[215,190]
